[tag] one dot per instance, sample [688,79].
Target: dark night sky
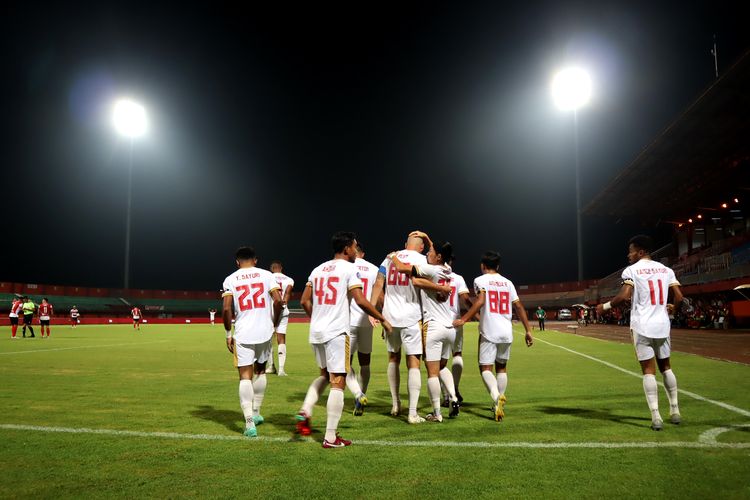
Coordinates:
[278,126]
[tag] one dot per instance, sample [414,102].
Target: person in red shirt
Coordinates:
[136,314]
[45,315]
[15,310]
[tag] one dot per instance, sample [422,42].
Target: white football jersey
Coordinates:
[401,305]
[458,288]
[368,273]
[651,281]
[331,282]
[432,308]
[251,289]
[495,317]
[284,281]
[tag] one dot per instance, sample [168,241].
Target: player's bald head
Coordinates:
[276,266]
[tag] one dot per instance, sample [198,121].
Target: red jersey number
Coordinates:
[499,302]
[256,301]
[397,278]
[325,290]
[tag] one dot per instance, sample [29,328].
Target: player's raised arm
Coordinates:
[359,298]
[624,295]
[521,312]
[377,290]
[306,299]
[473,310]
[426,284]
[278,306]
[226,316]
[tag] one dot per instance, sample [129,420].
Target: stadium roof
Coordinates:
[700,160]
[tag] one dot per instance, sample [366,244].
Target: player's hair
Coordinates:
[44,299]
[341,240]
[276,263]
[360,248]
[445,250]
[245,253]
[642,242]
[491,260]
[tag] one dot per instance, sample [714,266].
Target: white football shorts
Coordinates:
[647,348]
[334,354]
[248,354]
[361,339]
[283,322]
[409,338]
[491,353]
[438,342]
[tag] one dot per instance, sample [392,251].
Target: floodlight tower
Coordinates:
[571,90]
[130,121]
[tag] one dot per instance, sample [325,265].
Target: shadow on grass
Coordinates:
[595,414]
[228,418]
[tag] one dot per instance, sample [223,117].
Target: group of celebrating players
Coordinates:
[417,299]
[419,296]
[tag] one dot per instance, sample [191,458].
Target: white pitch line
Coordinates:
[418,444]
[639,375]
[81,347]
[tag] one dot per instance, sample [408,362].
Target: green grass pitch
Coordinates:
[156,414]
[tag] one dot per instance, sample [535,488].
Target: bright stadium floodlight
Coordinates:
[571,88]
[129,118]
[130,121]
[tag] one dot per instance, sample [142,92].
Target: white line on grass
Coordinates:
[365,442]
[81,347]
[634,374]
[710,435]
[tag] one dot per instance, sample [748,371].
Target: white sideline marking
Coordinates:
[709,437]
[81,347]
[639,375]
[707,443]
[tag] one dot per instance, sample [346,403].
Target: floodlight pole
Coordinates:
[578,197]
[126,279]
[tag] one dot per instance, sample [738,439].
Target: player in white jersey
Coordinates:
[212,314]
[647,284]
[326,299]
[438,332]
[360,329]
[495,294]
[250,294]
[402,308]
[459,299]
[287,285]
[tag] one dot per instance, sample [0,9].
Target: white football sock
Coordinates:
[414,384]
[490,382]
[394,379]
[502,382]
[457,368]
[246,401]
[313,393]
[433,389]
[282,356]
[334,407]
[364,377]
[652,395]
[352,384]
[446,378]
[670,385]
[259,388]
